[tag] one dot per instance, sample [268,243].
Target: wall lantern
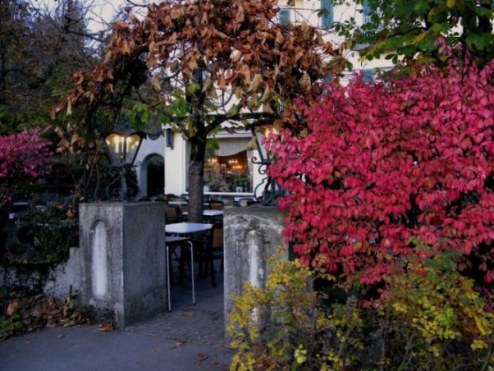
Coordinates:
[169,137]
[272,189]
[122,144]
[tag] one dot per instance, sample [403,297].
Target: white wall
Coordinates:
[175,166]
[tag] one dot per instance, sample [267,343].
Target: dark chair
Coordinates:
[171,243]
[228,202]
[212,250]
[216,205]
[173,215]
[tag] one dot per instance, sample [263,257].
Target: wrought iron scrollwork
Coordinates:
[272,189]
[119,188]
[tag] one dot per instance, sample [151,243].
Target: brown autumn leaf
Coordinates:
[101,75]
[124,46]
[245,71]
[12,308]
[69,107]
[78,77]
[201,357]
[256,82]
[177,13]
[119,26]
[155,83]
[106,327]
[172,39]
[221,82]
[240,17]
[305,82]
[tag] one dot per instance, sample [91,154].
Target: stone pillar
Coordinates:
[123,258]
[251,236]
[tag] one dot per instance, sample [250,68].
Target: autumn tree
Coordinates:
[410,28]
[201,64]
[392,172]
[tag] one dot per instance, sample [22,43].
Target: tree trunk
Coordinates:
[197,149]
[196,177]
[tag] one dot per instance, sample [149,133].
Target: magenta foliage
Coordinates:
[23,157]
[385,166]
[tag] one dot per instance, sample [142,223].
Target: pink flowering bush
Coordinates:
[385,168]
[23,157]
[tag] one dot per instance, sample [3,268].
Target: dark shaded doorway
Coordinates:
[155,175]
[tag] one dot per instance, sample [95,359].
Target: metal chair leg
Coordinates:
[168,277]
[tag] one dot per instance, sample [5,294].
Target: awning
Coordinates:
[232,146]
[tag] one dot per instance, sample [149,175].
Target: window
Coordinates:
[366,12]
[284,16]
[327,14]
[369,76]
[228,168]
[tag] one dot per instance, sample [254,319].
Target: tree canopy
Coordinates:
[39,51]
[203,63]
[410,28]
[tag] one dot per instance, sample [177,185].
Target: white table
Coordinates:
[178,203]
[187,227]
[212,213]
[209,213]
[184,229]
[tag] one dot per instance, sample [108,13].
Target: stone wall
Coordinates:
[59,281]
[251,236]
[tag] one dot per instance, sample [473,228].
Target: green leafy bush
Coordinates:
[40,235]
[9,325]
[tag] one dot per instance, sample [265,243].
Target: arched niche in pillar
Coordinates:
[99,261]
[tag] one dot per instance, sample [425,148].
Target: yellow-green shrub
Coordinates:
[432,319]
[440,306]
[284,326]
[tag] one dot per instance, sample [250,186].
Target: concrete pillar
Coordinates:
[251,236]
[123,258]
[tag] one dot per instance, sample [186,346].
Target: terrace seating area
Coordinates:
[195,250]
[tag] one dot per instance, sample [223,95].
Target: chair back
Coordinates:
[228,202]
[217,237]
[172,215]
[216,205]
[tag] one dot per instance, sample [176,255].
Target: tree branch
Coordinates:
[219,119]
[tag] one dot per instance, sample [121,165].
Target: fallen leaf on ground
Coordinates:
[201,357]
[106,327]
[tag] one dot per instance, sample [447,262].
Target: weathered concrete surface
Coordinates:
[65,278]
[58,281]
[123,261]
[251,236]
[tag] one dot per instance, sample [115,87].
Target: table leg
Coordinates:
[192,272]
